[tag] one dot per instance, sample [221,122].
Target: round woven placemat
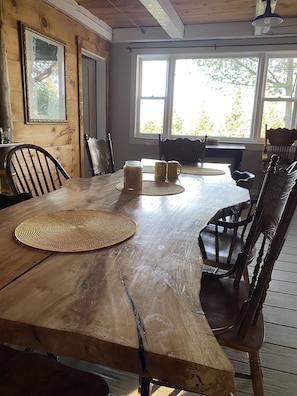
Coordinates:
[154,188]
[193,170]
[75,230]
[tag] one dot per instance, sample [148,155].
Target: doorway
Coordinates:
[94,99]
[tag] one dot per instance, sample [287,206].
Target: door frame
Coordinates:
[102,62]
[100,92]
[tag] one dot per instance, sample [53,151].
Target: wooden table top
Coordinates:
[134,306]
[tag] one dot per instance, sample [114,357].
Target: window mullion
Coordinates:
[259,98]
[169,97]
[294,115]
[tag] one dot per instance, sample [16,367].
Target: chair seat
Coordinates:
[33,374]
[208,235]
[221,303]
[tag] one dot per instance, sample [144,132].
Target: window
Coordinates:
[279,110]
[214,97]
[226,97]
[152,96]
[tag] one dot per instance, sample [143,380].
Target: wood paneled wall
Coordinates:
[64,140]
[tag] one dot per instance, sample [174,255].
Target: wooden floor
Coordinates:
[279,352]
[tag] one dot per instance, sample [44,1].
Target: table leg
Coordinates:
[144,387]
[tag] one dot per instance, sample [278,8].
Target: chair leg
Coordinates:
[246,276]
[256,373]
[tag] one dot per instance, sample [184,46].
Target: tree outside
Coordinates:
[216,97]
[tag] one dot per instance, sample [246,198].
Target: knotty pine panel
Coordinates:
[48,20]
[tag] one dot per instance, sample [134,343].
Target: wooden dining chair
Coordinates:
[279,141]
[26,373]
[225,236]
[234,308]
[183,150]
[9,200]
[30,168]
[100,155]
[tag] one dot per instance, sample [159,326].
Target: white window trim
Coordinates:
[171,55]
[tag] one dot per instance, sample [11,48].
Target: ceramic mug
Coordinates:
[160,170]
[173,170]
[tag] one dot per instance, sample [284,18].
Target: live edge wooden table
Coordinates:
[134,306]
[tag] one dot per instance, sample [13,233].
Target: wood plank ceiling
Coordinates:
[131,13]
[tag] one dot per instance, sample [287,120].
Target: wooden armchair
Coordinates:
[225,236]
[281,142]
[233,307]
[32,169]
[100,155]
[184,150]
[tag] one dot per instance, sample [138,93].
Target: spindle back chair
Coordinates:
[30,168]
[100,155]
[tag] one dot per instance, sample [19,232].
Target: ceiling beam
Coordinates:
[165,14]
[80,14]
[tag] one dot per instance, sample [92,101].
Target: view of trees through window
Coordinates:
[214,97]
[217,97]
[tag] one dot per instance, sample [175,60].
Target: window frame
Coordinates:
[268,99]
[171,56]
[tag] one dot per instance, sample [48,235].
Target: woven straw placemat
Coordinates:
[154,188]
[75,230]
[194,170]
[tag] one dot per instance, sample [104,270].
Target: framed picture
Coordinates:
[44,77]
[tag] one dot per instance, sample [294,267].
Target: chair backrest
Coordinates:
[110,147]
[275,209]
[31,168]
[9,200]
[224,236]
[280,142]
[100,155]
[184,150]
